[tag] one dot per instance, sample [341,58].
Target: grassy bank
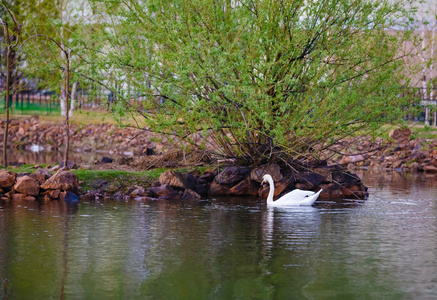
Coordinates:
[79,117]
[93,179]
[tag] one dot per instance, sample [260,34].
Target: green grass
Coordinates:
[91,178]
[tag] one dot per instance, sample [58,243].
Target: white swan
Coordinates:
[296,197]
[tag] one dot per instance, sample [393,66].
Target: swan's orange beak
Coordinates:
[263,181]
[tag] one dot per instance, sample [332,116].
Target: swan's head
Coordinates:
[266,178]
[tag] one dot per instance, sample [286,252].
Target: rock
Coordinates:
[27,185]
[113,187]
[414,167]
[207,177]
[351,159]
[331,191]
[7,179]
[190,195]
[69,197]
[138,192]
[247,187]
[174,179]
[41,175]
[62,180]
[353,190]
[216,189]
[202,189]
[400,135]
[191,180]
[345,176]
[272,169]
[418,155]
[54,194]
[106,160]
[16,196]
[165,191]
[311,178]
[232,175]
[430,169]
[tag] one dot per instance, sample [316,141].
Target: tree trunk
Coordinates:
[67,120]
[6,133]
[73,98]
[424,87]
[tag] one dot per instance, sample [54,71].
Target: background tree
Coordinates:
[12,33]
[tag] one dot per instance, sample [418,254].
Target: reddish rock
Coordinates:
[165,191]
[27,185]
[54,194]
[174,179]
[7,179]
[16,196]
[400,135]
[247,187]
[430,169]
[190,195]
[41,175]
[216,189]
[272,169]
[62,180]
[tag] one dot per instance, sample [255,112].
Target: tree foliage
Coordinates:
[260,76]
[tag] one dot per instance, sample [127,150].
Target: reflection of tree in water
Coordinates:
[31,240]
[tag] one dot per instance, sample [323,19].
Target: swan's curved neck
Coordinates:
[271,192]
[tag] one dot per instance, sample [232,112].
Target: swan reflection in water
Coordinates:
[294,227]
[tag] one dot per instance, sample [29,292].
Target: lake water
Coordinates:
[381,248]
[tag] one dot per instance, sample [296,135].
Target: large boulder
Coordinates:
[216,189]
[400,135]
[232,175]
[272,169]
[247,187]
[7,179]
[27,185]
[174,179]
[62,180]
[311,178]
[41,175]
[165,191]
[190,195]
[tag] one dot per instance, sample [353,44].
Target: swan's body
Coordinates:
[294,198]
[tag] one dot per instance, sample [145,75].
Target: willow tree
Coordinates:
[257,76]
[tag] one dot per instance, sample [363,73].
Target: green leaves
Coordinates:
[254,75]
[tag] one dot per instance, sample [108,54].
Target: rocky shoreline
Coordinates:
[229,181]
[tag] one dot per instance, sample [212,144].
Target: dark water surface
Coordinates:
[382,248]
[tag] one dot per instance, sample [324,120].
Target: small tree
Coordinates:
[14,45]
[12,37]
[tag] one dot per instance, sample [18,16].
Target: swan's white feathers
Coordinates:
[296,197]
